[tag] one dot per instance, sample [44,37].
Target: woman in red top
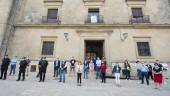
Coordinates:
[158,77]
[103,72]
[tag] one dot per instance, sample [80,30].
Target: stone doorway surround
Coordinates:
[95,34]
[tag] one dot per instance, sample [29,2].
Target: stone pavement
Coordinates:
[90,87]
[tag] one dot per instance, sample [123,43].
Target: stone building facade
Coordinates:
[116,29]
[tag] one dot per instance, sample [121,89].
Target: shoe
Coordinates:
[18,80]
[4,79]
[22,80]
[0,77]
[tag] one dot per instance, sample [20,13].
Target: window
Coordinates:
[137,12]
[93,15]
[143,48]
[47,48]
[52,13]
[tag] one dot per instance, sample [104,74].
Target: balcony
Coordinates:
[45,19]
[144,19]
[96,19]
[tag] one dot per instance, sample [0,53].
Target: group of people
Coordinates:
[154,73]
[88,67]
[23,67]
[94,68]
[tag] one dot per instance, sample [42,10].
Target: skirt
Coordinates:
[158,78]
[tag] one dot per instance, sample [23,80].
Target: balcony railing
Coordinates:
[45,19]
[144,19]
[94,19]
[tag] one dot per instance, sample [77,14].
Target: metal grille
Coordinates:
[143,49]
[47,48]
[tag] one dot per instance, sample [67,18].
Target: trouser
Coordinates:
[103,77]
[38,74]
[42,74]
[150,75]
[145,75]
[72,69]
[13,67]
[86,74]
[27,70]
[3,73]
[127,74]
[98,72]
[139,74]
[57,74]
[79,77]
[62,76]
[23,74]
[117,78]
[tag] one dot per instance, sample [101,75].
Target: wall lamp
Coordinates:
[66,35]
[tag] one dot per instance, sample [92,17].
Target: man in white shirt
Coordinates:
[165,70]
[144,71]
[139,65]
[13,65]
[98,64]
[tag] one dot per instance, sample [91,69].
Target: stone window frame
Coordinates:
[143,39]
[136,6]
[48,38]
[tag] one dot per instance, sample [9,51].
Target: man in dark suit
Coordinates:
[23,64]
[56,67]
[42,68]
[4,67]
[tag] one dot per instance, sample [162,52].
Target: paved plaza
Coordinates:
[90,87]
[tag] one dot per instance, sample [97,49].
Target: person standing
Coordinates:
[72,66]
[27,68]
[91,69]
[38,74]
[165,70]
[139,65]
[158,77]
[103,72]
[85,69]
[150,72]
[56,68]
[79,73]
[23,64]
[98,64]
[116,70]
[13,65]
[144,73]
[127,69]
[63,67]
[43,68]
[94,62]
[4,67]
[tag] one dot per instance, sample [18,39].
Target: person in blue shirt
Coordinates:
[63,68]
[85,69]
[144,73]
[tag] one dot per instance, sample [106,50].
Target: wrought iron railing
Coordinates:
[94,19]
[45,19]
[143,19]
